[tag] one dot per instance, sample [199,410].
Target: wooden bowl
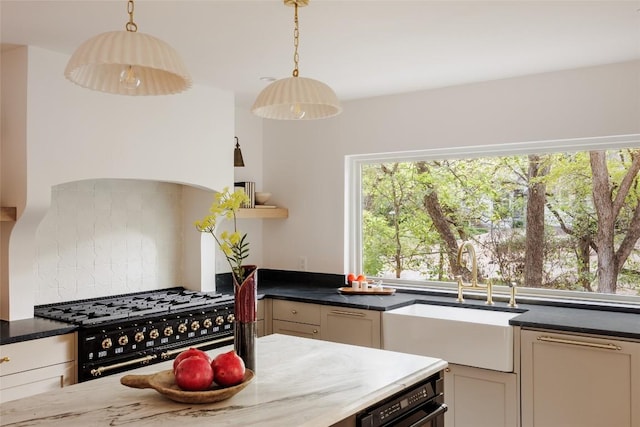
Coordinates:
[164,382]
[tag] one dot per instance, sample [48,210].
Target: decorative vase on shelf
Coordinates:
[246,314]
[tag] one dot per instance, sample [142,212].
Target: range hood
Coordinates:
[55,133]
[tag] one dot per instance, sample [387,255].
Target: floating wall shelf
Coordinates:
[263,213]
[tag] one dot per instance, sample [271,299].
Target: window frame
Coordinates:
[353,201]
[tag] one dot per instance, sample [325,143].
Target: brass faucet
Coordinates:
[474,274]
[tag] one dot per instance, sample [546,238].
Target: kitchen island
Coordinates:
[299,382]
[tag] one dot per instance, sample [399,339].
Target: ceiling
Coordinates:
[361,48]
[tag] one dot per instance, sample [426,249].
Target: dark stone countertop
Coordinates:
[622,321]
[31,329]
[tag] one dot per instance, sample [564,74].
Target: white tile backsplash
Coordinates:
[106,237]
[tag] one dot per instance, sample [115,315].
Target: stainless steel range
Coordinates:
[123,332]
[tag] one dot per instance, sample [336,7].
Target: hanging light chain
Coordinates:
[296,36]
[131,26]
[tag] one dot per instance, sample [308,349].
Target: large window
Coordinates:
[560,217]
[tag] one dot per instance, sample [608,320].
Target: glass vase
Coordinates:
[246,314]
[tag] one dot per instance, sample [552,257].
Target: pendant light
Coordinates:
[128,63]
[238,161]
[296,98]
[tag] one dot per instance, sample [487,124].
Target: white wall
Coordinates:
[76,134]
[249,133]
[304,161]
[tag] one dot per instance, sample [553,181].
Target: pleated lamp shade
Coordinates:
[98,63]
[296,98]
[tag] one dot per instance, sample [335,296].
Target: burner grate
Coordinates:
[129,306]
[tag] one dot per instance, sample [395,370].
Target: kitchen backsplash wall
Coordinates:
[106,237]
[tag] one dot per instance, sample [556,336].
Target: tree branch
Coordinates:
[626,182]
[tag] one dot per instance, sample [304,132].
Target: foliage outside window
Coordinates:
[552,220]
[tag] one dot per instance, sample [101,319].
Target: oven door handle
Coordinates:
[100,370]
[430,416]
[167,354]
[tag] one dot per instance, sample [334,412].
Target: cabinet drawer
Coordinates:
[296,329]
[37,353]
[34,381]
[293,311]
[351,326]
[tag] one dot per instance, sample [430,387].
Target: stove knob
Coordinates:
[207,323]
[219,320]
[195,325]
[123,340]
[168,331]
[182,328]
[154,334]
[106,343]
[139,336]
[231,318]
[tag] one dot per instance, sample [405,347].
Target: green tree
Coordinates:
[615,188]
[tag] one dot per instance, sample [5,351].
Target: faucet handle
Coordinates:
[512,300]
[460,286]
[489,292]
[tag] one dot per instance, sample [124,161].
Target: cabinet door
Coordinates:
[350,326]
[303,330]
[480,397]
[579,381]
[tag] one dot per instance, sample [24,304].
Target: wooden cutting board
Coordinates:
[371,291]
[164,382]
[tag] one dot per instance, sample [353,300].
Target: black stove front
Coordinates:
[123,332]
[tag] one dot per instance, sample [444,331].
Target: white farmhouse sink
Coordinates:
[464,336]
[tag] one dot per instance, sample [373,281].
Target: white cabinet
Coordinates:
[330,323]
[296,318]
[579,381]
[350,326]
[37,366]
[480,397]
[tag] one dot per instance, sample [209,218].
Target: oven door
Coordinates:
[421,405]
[428,415]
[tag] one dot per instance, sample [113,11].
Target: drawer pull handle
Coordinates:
[580,343]
[347,313]
[294,312]
[5,359]
[315,331]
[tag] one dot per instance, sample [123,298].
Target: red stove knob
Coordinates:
[219,320]
[106,343]
[182,328]
[231,318]
[207,323]
[168,331]
[195,325]
[139,336]
[123,340]
[154,334]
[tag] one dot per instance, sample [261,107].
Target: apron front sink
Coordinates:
[464,336]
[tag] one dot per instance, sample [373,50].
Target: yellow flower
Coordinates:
[233,245]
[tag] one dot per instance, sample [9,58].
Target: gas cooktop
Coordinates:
[129,306]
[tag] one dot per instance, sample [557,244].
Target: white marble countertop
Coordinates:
[299,382]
